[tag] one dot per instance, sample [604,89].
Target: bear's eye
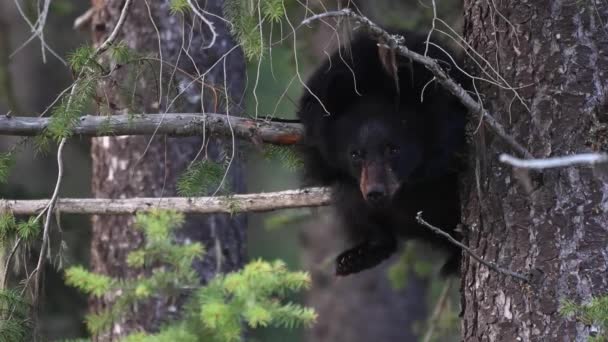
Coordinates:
[356,155]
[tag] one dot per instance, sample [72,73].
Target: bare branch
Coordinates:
[84,19]
[548,163]
[112,37]
[491,265]
[308,197]
[396,42]
[176,124]
[438,310]
[50,206]
[199,13]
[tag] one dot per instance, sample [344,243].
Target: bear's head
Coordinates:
[378,146]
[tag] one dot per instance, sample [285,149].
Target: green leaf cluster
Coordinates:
[7,160]
[594,313]
[179,6]
[15,324]
[66,115]
[251,295]
[169,266]
[215,312]
[201,178]
[248,17]
[82,58]
[10,228]
[286,155]
[72,105]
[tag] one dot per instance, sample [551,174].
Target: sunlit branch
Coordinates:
[309,197]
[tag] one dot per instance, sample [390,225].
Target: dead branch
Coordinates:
[309,197]
[396,42]
[175,124]
[548,163]
[438,310]
[489,264]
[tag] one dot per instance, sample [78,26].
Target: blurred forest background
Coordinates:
[28,86]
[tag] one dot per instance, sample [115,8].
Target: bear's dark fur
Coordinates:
[389,147]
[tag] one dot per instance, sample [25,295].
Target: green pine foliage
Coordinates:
[28,230]
[66,115]
[286,155]
[178,333]
[82,58]
[72,105]
[93,284]
[201,178]
[169,265]
[594,313]
[273,10]
[15,324]
[7,226]
[42,142]
[232,204]
[215,312]
[251,295]
[179,6]
[248,17]
[11,229]
[6,163]
[121,53]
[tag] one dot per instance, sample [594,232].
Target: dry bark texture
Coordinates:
[122,169]
[556,226]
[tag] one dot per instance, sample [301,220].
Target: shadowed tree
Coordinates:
[150,166]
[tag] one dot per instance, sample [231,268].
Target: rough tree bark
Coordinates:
[122,169]
[552,225]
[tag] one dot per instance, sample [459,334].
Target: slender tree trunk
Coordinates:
[145,166]
[552,225]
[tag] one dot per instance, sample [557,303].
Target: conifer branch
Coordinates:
[175,124]
[308,197]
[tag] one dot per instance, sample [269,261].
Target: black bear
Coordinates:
[388,139]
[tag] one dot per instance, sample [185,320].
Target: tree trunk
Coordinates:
[550,225]
[128,167]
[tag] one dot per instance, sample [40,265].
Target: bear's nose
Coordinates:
[376,194]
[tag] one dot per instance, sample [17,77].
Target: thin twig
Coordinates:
[491,265]
[548,163]
[112,37]
[47,222]
[396,42]
[8,263]
[84,19]
[308,197]
[207,22]
[438,310]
